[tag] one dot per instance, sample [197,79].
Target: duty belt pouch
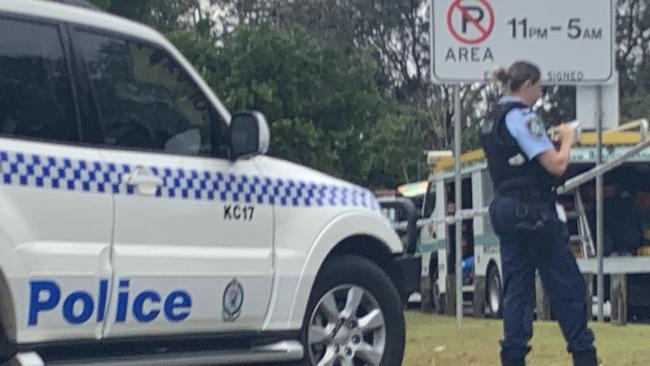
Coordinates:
[537,230]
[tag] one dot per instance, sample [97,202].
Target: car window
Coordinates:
[35,88]
[144,99]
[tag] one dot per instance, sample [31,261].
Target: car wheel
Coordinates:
[354,316]
[494,292]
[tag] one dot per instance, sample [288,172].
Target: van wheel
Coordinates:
[433,278]
[354,316]
[494,292]
[442,304]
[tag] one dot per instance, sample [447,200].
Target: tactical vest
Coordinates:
[509,167]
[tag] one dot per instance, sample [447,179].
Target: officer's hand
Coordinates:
[567,133]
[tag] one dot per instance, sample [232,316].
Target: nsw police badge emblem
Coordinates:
[535,127]
[233,299]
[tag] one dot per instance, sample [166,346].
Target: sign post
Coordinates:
[571,41]
[458,198]
[600,234]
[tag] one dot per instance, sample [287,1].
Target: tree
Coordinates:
[395,33]
[322,106]
[395,149]
[633,57]
[165,16]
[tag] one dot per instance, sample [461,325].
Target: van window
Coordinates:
[35,88]
[144,99]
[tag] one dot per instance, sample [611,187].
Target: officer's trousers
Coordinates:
[561,278]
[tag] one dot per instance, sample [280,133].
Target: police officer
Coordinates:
[525,166]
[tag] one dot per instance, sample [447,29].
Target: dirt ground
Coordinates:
[436,341]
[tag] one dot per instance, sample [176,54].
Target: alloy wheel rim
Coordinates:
[347,328]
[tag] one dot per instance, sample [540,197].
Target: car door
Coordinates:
[191,251]
[55,216]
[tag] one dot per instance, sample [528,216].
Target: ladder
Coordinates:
[583,236]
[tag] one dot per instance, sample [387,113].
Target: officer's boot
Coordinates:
[505,362]
[585,358]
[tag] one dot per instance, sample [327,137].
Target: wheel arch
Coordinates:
[366,235]
[374,250]
[493,264]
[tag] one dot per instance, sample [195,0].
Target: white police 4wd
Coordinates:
[141,223]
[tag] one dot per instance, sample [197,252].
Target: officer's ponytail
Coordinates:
[501,75]
[516,75]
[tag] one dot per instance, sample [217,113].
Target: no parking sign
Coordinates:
[470,24]
[571,41]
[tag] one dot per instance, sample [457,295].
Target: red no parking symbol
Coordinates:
[470,21]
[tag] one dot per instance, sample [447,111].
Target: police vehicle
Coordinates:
[141,222]
[626,227]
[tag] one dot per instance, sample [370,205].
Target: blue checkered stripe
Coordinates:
[100,177]
[208,185]
[61,173]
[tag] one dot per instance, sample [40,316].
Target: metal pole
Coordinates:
[458,206]
[431,45]
[599,204]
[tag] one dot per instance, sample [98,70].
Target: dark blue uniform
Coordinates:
[532,235]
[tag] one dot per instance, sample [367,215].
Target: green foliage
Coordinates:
[164,15]
[321,105]
[395,150]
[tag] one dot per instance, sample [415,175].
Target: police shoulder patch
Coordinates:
[535,127]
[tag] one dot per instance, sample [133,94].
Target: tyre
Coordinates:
[494,293]
[354,316]
[441,306]
[438,305]
[7,350]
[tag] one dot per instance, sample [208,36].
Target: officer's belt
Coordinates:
[526,191]
[529,194]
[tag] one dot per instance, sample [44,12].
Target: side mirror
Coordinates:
[249,134]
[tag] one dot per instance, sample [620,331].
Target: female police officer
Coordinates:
[524,166]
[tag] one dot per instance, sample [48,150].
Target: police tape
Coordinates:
[451,219]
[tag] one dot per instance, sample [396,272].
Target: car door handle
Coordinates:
[144,181]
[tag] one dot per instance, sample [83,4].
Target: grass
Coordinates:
[435,341]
